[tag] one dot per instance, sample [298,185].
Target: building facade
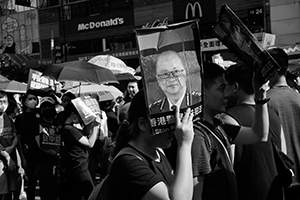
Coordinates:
[81,29]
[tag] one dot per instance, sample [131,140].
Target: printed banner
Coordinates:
[19,32]
[231,31]
[170,61]
[37,81]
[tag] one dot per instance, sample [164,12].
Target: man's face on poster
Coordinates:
[171,74]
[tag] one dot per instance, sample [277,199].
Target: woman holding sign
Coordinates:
[140,170]
[78,136]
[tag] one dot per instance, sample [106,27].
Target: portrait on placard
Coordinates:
[171,72]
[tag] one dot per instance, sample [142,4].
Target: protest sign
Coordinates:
[87,107]
[170,61]
[231,31]
[37,81]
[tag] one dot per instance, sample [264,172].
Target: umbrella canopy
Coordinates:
[112,63]
[127,76]
[3,78]
[13,86]
[80,70]
[105,92]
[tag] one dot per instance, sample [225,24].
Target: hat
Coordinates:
[48,100]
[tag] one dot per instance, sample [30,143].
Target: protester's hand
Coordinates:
[258,85]
[24,164]
[184,131]
[11,165]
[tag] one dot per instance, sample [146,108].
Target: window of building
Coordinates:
[120,42]
[83,9]
[75,11]
[117,43]
[97,45]
[94,8]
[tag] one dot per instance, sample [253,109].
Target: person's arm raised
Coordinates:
[182,187]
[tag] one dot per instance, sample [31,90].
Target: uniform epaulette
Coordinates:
[156,103]
[196,93]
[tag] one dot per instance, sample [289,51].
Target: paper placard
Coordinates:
[231,31]
[87,107]
[169,60]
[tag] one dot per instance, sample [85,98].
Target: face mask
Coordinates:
[3,107]
[31,104]
[49,113]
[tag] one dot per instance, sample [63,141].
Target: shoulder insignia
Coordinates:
[156,103]
[196,93]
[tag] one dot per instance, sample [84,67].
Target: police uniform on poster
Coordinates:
[163,105]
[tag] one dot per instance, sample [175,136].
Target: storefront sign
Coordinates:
[212,44]
[193,8]
[100,24]
[116,54]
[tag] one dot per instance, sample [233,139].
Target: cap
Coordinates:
[49,100]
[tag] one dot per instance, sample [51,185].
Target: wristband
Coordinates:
[261,101]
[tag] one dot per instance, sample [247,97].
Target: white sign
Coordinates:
[212,44]
[100,24]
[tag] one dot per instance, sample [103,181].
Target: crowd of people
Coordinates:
[227,155]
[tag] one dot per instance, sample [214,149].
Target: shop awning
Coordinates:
[18,59]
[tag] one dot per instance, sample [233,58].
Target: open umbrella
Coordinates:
[105,92]
[3,78]
[13,86]
[80,70]
[116,65]
[112,63]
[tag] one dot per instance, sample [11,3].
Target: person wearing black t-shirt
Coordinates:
[49,143]
[27,126]
[78,138]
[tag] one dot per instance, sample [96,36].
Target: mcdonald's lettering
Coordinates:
[194,8]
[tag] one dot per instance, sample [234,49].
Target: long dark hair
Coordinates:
[129,128]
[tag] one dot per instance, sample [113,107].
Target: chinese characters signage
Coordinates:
[37,81]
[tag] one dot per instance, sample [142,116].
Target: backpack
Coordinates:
[97,193]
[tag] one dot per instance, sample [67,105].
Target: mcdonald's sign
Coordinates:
[191,9]
[195,9]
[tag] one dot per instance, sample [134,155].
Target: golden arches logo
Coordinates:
[193,7]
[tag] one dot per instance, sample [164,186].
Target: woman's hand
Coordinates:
[184,131]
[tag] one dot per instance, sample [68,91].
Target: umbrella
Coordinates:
[116,65]
[13,86]
[105,92]
[3,78]
[127,76]
[80,70]
[112,63]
